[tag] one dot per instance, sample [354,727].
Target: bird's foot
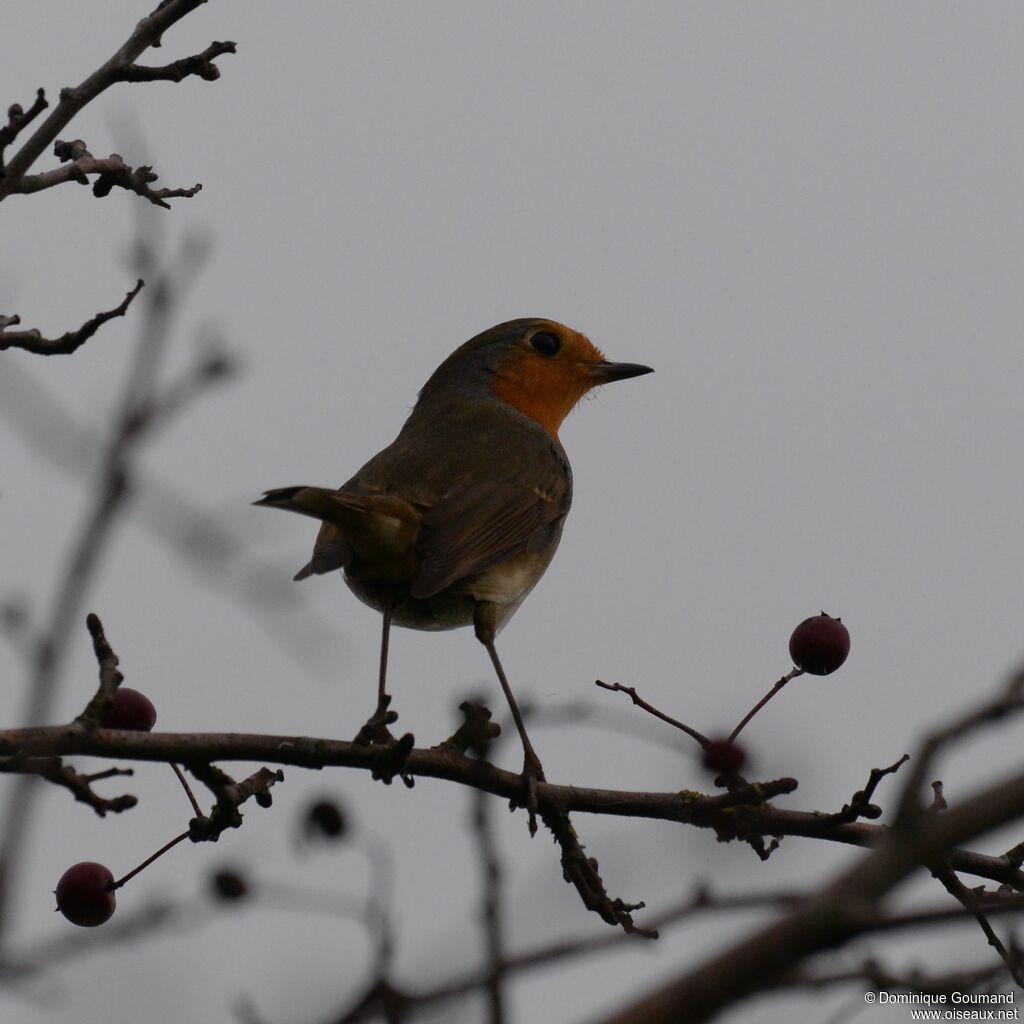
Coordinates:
[533,773]
[391,761]
[393,752]
[375,729]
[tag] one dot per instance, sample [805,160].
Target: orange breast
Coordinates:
[545,390]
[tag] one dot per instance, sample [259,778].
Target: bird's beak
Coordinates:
[605,372]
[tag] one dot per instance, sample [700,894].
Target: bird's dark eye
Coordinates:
[546,343]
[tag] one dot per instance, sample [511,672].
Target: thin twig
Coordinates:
[860,806]
[764,700]
[149,860]
[71,341]
[630,691]
[973,903]
[53,769]
[19,118]
[188,789]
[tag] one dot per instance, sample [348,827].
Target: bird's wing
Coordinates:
[331,551]
[378,528]
[478,525]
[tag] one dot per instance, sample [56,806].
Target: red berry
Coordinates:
[85,894]
[130,710]
[819,645]
[724,756]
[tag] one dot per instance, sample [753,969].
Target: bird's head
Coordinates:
[538,366]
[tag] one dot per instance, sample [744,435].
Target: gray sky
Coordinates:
[806,217]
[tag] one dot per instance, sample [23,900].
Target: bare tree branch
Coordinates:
[739,812]
[111,171]
[53,769]
[201,65]
[974,903]
[17,119]
[139,412]
[121,67]
[846,907]
[33,341]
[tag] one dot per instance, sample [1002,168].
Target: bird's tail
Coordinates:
[317,502]
[379,528]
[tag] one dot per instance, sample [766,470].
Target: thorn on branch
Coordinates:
[110,677]
[32,341]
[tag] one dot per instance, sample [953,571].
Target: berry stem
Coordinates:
[149,860]
[764,700]
[188,789]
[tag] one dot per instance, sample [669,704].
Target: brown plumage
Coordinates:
[458,518]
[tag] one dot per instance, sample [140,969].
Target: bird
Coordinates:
[455,522]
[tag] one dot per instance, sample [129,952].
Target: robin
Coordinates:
[457,519]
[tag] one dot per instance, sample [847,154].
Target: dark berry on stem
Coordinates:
[724,756]
[819,645]
[85,894]
[130,710]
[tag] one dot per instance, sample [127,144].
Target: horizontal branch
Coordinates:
[831,917]
[741,814]
[200,65]
[111,172]
[53,769]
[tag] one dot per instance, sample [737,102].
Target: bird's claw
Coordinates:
[393,753]
[392,761]
[533,772]
[375,729]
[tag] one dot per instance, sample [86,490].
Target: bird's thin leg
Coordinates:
[384,637]
[375,730]
[533,772]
